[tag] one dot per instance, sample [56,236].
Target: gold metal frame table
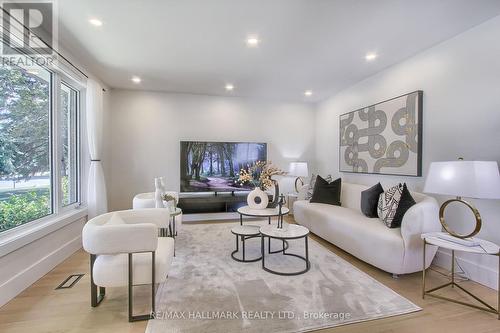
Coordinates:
[483,247]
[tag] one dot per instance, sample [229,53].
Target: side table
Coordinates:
[291,198]
[483,247]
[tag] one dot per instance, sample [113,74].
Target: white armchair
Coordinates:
[125,251]
[147,200]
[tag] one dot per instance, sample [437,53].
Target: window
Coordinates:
[69,145]
[35,131]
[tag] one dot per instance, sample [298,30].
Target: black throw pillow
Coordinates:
[405,203]
[327,193]
[369,200]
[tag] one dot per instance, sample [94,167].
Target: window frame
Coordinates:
[59,212]
[63,79]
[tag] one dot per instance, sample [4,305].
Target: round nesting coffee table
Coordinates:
[267,212]
[244,232]
[287,232]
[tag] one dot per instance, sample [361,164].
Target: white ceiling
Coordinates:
[199,46]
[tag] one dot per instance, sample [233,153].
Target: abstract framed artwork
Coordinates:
[384,138]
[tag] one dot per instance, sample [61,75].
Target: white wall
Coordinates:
[461,83]
[146,128]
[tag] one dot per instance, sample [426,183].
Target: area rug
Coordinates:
[208,291]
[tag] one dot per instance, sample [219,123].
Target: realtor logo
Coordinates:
[27,27]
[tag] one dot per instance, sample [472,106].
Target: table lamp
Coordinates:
[470,179]
[298,169]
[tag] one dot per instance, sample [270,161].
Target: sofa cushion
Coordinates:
[327,193]
[369,200]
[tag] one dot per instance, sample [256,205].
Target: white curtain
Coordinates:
[97,200]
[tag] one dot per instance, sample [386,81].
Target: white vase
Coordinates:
[163,185]
[158,193]
[170,205]
[257,199]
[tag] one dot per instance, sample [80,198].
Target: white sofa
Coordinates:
[397,250]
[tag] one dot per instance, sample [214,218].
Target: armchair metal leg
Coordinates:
[95,297]
[131,317]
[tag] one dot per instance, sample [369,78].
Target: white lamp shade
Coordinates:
[298,169]
[470,179]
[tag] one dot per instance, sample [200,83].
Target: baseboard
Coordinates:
[476,272]
[22,280]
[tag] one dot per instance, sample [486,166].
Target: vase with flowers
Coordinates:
[169,202]
[260,176]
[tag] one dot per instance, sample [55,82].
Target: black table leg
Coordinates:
[243,245]
[262,249]
[307,254]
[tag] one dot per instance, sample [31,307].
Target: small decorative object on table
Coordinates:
[259,175]
[169,202]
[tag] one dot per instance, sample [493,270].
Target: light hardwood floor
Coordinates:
[40,308]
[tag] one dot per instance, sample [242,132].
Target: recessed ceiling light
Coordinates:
[136,79]
[308,93]
[253,41]
[370,56]
[229,87]
[95,22]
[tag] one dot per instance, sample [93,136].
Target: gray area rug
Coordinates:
[208,291]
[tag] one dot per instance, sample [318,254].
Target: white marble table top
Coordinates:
[483,247]
[246,230]
[288,231]
[245,210]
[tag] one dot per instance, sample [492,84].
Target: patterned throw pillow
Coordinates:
[312,182]
[393,204]
[388,203]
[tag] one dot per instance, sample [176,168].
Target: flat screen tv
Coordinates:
[215,166]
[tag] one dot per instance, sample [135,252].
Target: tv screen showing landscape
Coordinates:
[215,166]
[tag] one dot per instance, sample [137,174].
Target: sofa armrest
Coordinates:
[158,216]
[420,218]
